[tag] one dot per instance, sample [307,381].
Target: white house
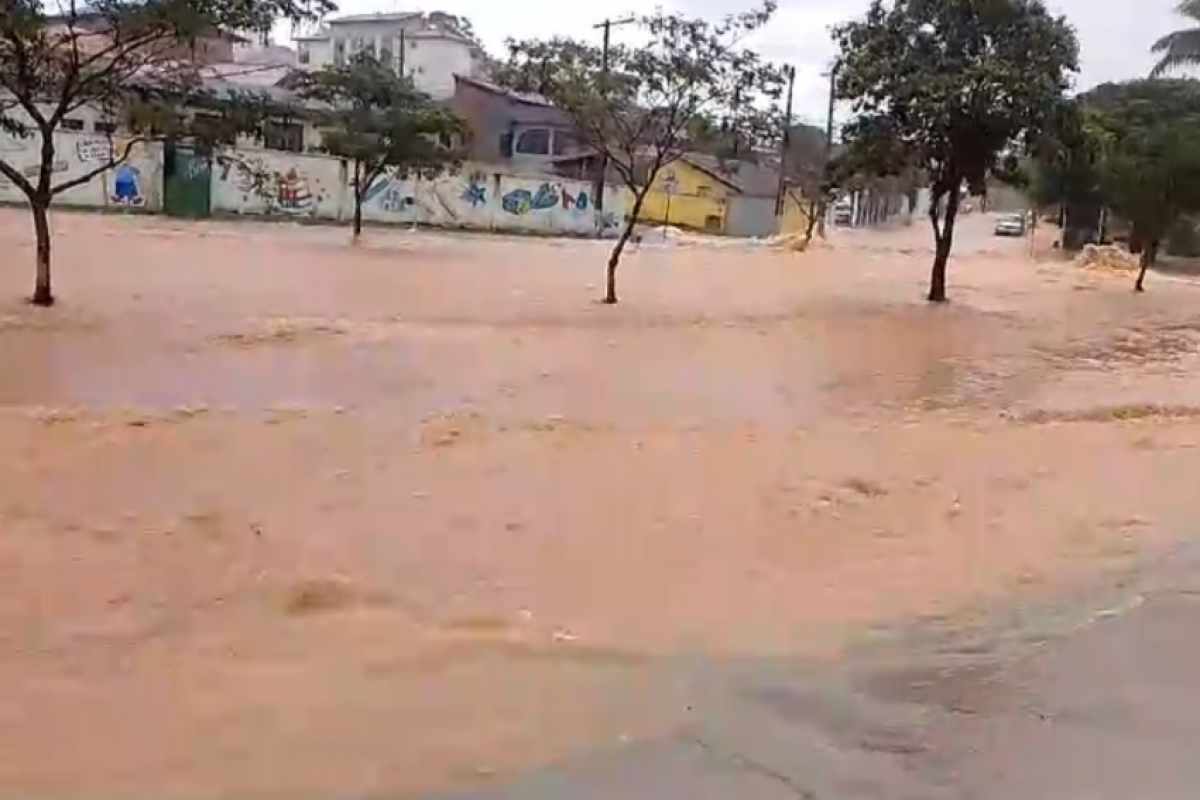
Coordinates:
[430,48]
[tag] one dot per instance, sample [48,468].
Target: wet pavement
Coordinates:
[1098,701]
[430,494]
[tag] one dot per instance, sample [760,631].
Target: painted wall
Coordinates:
[298,185]
[698,204]
[318,187]
[794,217]
[137,184]
[476,198]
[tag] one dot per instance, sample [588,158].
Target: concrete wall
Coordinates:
[297,185]
[306,186]
[477,198]
[137,184]
[750,216]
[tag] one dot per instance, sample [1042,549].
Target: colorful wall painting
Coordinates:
[275,183]
[78,154]
[252,181]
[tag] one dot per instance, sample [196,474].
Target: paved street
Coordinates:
[1110,709]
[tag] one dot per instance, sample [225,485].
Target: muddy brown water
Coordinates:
[283,517]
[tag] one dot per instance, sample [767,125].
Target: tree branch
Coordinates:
[16,177]
[92,173]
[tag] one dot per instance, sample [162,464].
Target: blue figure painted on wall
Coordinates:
[474,192]
[127,188]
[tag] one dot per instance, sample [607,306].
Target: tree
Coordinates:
[1146,136]
[132,60]
[947,87]
[1179,48]
[806,167]
[381,124]
[635,106]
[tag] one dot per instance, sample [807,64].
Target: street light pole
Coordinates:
[607,26]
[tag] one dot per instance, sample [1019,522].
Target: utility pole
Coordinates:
[403,47]
[607,27]
[833,71]
[786,139]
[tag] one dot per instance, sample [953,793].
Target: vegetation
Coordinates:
[381,124]
[129,60]
[1181,48]
[1133,148]
[635,106]
[947,87]
[807,154]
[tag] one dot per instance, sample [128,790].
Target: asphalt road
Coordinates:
[1103,703]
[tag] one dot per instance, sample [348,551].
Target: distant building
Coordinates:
[430,48]
[91,31]
[506,126]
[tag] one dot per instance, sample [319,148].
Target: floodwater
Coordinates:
[286,518]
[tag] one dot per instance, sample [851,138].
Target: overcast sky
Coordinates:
[1115,37]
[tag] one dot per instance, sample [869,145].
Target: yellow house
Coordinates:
[793,218]
[685,194]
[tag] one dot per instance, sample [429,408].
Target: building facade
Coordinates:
[429,48]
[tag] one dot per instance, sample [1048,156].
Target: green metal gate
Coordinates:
[187,181]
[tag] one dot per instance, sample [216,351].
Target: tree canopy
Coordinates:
[948,87]
[635,106]
[1134,148]
[1179,49]
[381,124]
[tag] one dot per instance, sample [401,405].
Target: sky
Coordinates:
[1115,39]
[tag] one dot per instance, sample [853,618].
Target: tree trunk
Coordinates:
[816,211]
[614,258]
[1148,256]
[359,190]
[43,294]
[944,240]
[1136,246]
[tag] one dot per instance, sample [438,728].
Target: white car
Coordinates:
[1011,225]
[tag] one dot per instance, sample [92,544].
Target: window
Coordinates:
[703,191]
[101,126]
[385,56]
[533,142]
[69,124]
[564,143]
[287,136]
[339,52]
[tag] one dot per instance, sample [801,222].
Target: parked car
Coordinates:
[843,214]
[1011,225]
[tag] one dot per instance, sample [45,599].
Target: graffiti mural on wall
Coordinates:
[545,197]
[292,194]
[272,185]
[474,191]
[392,194]
[131,184]
[127,186]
